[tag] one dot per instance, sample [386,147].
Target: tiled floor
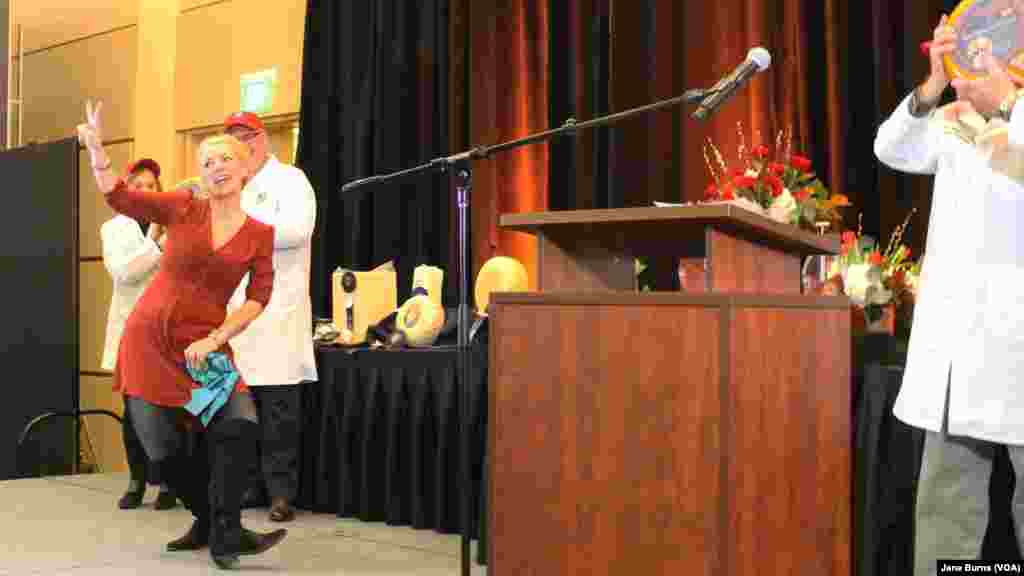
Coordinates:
[70,526]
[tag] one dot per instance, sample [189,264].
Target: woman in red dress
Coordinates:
[179,320]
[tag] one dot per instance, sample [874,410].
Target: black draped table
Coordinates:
[380,439]
[887,459]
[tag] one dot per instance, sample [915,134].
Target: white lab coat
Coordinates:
[277,348]
[969,317]
[132,260]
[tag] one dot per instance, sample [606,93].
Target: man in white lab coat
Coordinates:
[965,366]
[275,354]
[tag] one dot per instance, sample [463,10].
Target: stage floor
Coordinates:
[70,526]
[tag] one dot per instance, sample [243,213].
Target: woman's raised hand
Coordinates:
[90,134]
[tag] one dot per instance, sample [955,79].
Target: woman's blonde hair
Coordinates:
[241,152]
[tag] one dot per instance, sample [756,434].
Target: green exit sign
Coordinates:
[258,91]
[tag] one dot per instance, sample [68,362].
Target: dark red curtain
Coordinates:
[839,68]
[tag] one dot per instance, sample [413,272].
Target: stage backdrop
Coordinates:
[375,98]
[39,275]
[839,68]
[396,84]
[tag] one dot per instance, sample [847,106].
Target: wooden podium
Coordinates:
[703,433]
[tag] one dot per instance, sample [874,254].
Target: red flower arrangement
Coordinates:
[782,185]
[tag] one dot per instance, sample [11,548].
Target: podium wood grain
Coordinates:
[669,434]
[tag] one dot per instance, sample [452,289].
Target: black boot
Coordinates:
[232,448]
[188,477]
[197,537]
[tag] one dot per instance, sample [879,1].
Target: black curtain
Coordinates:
[375,100]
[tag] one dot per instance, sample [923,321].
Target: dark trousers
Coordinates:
[138,463]
[277,469]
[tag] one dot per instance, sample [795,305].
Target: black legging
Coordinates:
[138,463]
[158,428]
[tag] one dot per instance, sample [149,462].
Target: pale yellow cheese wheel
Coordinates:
[499,274]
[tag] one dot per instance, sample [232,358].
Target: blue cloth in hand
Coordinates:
[216,382]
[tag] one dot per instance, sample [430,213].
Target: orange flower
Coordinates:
[876,258]
[839,200]
[849,238]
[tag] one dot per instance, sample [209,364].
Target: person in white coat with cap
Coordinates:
[131,258]
[276,353]
[965,365]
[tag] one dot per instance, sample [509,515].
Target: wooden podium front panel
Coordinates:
[790,438]
[669,434]
[606,442]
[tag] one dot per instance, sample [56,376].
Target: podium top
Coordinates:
[650,226]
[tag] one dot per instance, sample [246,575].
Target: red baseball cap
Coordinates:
[246,119]
[147,164]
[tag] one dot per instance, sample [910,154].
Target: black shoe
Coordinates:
[257,543]
[165,501]
[251,543]
[198,536]
[131,499]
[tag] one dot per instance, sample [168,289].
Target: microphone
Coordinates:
[758,59]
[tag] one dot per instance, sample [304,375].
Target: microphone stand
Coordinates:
[460,165]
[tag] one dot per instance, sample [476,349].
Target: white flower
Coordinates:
[783,208]
[863,285]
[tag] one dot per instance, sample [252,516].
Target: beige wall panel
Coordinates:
[284,26]
[58,82]
[154,81]
[102,434]
[238,37]
[93,211]
[193,4]
[51,22]
[94,293]
[205,84]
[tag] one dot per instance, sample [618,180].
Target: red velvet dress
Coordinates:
[188,297]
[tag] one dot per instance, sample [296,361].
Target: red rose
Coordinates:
[744,182]
[776,169]
[876,258]
[737,172]
[727,193]
[802,194]
[761,151]
[711,191]
[776,184]
[800,163]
